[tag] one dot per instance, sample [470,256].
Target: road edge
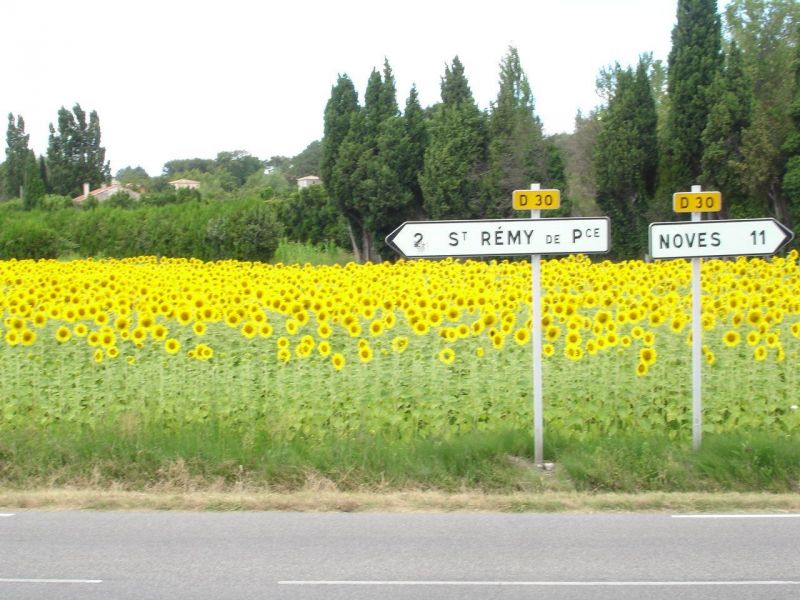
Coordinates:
[393,501]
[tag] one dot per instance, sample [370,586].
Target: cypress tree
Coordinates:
[626,160]
[374,109]
[415,140]
[43,173]
[365,172]
[344,177]
[454,85]
[694,61]
[32,184]
[388,93]
[722,138]
[339,113]
[455,155]
[517,152]
[379,193]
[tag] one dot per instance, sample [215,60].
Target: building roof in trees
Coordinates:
[106,191]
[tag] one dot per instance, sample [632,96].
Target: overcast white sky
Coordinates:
[181,79]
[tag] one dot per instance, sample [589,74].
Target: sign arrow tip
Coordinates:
[788,234]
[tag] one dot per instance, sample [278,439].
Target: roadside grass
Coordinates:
[210,458]
[724,462]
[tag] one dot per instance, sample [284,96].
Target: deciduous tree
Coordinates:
[74,154]
[767,33]
[16,155]
[791,178]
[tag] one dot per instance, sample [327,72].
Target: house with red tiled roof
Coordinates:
[105,192]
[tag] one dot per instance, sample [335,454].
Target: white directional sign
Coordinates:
[508,237]
[737,237]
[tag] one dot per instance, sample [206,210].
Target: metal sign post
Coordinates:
[511,237]
[697,239]
[536,344]
[697,343]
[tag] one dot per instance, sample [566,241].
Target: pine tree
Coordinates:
[16,155]
[626,160]
[455,155]
[722,138]
[694,61]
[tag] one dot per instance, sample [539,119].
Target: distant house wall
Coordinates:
[308,181]
[185,184]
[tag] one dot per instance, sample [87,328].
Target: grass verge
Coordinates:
[214,460]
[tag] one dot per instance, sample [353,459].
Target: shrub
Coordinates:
[121,199]
[51,202]
[236,229]
[26,238]
[256,233]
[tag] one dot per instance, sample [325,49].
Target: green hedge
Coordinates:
[240,229]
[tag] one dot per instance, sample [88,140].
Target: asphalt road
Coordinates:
[138,555]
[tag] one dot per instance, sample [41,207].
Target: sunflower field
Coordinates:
[405,350]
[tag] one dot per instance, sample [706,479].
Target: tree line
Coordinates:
[74,157]
[382,166]
[723,113]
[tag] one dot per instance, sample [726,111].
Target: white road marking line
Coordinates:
[743,516]
[540,583]
[6,514]
[27,580]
